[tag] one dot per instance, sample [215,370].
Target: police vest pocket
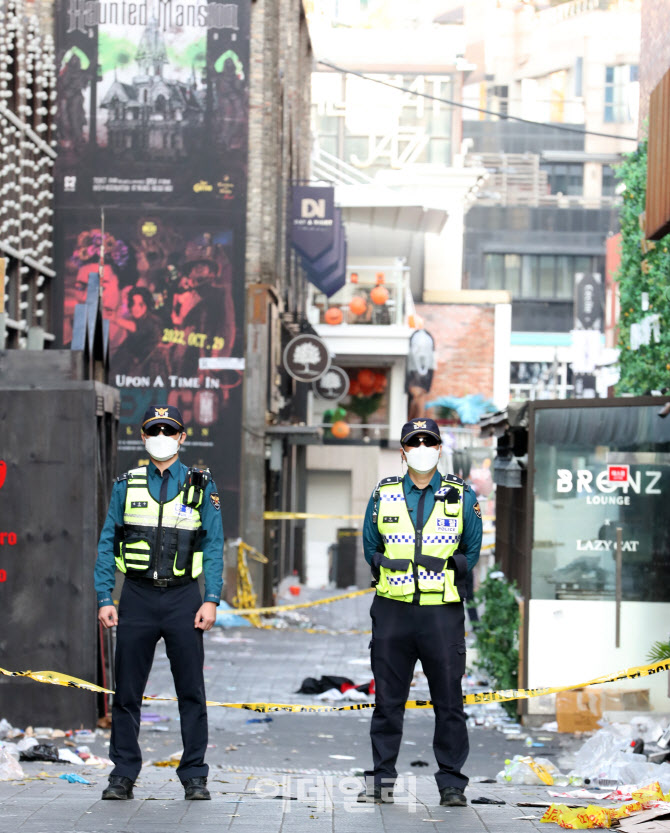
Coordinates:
[136,554]
[396,576]
[430,571]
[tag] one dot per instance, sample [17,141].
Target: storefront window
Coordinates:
[597,469]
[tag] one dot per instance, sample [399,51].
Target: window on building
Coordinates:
[610,182]
[549,277]
[618,98]
[579,76]
[564,178]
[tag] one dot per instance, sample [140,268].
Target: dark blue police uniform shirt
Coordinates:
[210,516]
[471,538]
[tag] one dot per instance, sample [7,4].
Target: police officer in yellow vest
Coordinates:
[421,535]
[163,529]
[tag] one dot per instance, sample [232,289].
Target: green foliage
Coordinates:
[364,406]
[648,367]
[497,634]
[659,651]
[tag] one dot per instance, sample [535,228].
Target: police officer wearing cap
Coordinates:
[163,529]
[422,534]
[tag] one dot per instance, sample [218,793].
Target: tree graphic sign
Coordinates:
[333,385]
[306,358]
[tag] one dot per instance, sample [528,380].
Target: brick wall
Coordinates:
[464,338]
[654,51]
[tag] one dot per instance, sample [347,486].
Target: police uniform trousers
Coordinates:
[403,633]
[147,613]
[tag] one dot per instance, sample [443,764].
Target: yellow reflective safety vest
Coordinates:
[413,567]
[159,540]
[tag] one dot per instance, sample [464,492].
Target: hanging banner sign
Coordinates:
[313,220]
[589,302]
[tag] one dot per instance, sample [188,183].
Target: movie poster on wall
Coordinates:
[152,117]
[152,102]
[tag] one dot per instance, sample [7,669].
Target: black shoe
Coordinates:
[376,795]
[452,797]
[120,788]
[195,789]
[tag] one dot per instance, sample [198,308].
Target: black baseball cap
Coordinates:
[420,426]
[162,415]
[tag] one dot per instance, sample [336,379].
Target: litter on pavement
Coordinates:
[73,778]
[650,797]
[10,768]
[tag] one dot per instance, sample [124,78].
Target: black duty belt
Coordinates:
[161,582]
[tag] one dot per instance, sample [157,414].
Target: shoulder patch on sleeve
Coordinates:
[215,500]
[121,478]
[388,480]
[451,478]
[477,510]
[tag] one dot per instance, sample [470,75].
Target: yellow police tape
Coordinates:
[301,516]
[55,678]
[235,611]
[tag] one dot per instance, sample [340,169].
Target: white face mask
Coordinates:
[162,447]
[423,459]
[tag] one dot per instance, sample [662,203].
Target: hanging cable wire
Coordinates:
[554,126]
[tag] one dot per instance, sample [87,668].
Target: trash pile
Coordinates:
[649,810]
[610,766]
[33,744]
[337,688]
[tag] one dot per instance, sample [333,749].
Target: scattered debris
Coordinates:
[484,800]
[10,768]
[73,778]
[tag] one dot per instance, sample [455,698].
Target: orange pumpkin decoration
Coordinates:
[367,380]
[357,305]
[379,295]
[340,429]
[353,277]
[379,278]
[333,316]
[380,382]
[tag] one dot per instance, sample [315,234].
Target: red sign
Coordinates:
[3,576]
[3,472]
[618,474]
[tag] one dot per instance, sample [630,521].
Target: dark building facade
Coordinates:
[531,229]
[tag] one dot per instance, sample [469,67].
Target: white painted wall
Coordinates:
[328,493]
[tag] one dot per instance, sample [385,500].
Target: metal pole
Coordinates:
[617,622]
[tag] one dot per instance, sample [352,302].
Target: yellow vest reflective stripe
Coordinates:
[407,567]
[147,525]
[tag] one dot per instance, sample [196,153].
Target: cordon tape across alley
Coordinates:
[55,678]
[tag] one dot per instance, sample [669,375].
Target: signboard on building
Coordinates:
[306,358]
[333,385]
[152,127]
[590,478]
[587,341]
[313,220]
